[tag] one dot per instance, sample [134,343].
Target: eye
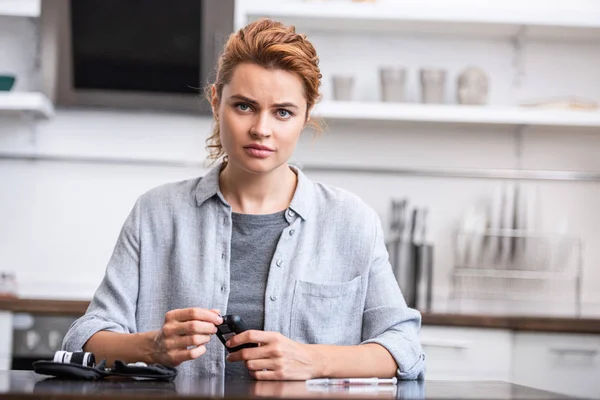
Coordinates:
[284,114]
[243,107]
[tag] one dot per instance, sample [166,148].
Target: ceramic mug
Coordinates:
[392,81]
[343,87]
[433,83]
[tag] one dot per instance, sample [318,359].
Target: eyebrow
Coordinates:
[255,103]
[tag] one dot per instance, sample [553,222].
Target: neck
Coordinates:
[249,193]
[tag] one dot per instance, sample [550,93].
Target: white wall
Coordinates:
[18,51]
[59,221]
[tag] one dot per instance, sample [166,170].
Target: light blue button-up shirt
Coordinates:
[329,282]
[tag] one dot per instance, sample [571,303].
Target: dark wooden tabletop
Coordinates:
[29,385]
[521,323]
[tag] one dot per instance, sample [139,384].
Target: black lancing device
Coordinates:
[232,325]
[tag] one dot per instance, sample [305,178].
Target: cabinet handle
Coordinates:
[569,350]
[446,344]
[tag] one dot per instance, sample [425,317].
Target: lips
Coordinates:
[258,151]
[259,147]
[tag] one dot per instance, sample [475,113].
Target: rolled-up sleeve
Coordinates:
[113,307]
[387,320]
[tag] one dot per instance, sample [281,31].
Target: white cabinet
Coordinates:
[558,362]
[563,363]
[467,353]
[5,340]
[20,8]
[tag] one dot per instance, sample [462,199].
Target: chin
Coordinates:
[257,166]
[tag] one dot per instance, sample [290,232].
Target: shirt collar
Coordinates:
[301,203]
[208,185]
[304,196]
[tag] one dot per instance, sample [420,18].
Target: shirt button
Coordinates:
[292,232]
[222,288]
[273,297]
[291,213]
[279,263]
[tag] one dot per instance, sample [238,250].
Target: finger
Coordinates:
[214,310]
[193,314]
[253,353]
[183,342]
[179,356]
[267,375]
[192,328]
[263,363]
[252,336]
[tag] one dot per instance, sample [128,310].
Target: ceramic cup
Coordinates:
[433,83]
[392,81]
[343,87]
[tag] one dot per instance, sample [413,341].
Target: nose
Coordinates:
[262,126]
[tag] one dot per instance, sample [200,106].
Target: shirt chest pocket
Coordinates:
[328,313]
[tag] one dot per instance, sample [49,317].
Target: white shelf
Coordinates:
[455,114]
[420,17]
[20,8]
[36,104]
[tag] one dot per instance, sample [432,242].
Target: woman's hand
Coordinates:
[276,358]
[184,334]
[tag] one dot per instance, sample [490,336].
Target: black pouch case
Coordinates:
[99,371]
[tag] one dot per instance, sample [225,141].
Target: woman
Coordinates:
[304,264]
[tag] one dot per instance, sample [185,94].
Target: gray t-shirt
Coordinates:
[253,241]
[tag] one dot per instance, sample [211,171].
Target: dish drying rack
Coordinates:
[513,271]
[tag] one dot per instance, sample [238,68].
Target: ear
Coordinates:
[214,100]
[308,113]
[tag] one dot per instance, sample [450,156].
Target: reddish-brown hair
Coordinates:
[271,45]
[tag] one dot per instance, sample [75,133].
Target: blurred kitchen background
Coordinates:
[472,127]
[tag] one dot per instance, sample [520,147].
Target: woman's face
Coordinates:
[261,114]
